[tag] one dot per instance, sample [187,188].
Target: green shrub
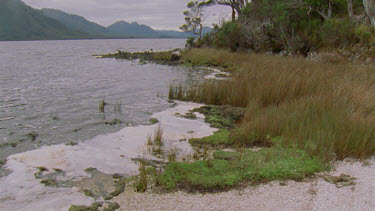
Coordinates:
[364,33]
[228,36]
[226,171]
[338,33]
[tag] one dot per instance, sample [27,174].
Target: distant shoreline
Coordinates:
[104,38]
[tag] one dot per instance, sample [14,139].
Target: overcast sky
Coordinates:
[159,14]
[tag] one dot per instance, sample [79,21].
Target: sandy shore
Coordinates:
[314,194]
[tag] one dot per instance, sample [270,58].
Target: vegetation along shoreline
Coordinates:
[299,98]
[280,118]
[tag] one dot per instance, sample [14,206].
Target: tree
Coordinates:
[236,5]
[350,8]
[322,7]
[370,10]
[194,18]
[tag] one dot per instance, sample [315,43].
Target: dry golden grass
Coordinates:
[324,108]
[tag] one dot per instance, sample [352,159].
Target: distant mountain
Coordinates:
[123,28]
[118,29]
[76,22]
[170,33]
[164,33]
[21,22]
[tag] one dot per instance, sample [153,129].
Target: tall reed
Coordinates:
[326,109]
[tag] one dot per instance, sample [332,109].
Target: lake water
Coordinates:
[52,89]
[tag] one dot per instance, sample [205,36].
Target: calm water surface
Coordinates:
[53,89]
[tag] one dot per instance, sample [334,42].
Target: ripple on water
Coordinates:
[7,118]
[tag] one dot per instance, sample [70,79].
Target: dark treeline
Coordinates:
[297,26]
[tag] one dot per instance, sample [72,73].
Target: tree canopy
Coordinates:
[194,18]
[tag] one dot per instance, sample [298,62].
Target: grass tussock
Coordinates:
[155,143]
[102,105]
[148,176]
[158,137]
[326,109]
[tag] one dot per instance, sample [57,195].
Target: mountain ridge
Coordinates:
[118,29]
[18,21]
[75,22]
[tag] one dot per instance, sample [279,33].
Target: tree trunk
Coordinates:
[238,9]
[330,8]
[200,31]
[370,10]
[350,8]
[233,15]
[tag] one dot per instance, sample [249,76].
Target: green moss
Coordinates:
[39,174]
[219,139]
[108,198]
[112,207]
[93,207]
[119,187]
[13,144]
[223,117]
[218,122]
[49,182]
[88,193]
[225,155]
[42,169]
[153,121]
[230,169]
[114,122]
[32,135]
[90,169]
[235,138]
[71,143]
[188,115]
[117,176]
[80,208]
